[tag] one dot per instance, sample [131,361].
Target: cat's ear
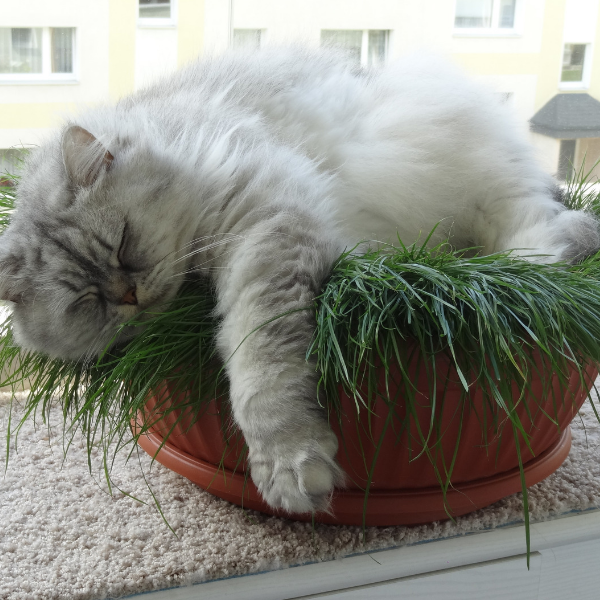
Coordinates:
[84,156]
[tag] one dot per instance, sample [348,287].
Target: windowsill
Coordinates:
[39,81]
[162,25]
[485,33]
[573,86]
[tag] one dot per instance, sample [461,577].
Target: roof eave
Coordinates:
[564,134]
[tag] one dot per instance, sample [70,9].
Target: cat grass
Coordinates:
[488,313]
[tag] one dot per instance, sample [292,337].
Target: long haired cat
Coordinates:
[258,170]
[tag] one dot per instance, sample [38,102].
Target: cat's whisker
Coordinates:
[91,351]
[223,242]
[288,157]
[204,249]
[97,344]
[195,269]
[199,266]
[195,241]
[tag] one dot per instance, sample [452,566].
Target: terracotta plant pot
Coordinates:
[393,480]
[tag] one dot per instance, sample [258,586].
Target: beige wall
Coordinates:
[414,24]
[113,56]
[190,30]
[27,110]
[160,50]
[155,53]
[121,48]
[595,68]
[216,25]
[588,149]
[525,62]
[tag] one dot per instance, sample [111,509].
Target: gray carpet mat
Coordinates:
[63,536]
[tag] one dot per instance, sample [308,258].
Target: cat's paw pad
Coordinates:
[298,480]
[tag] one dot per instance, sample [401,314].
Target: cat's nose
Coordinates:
[129,297]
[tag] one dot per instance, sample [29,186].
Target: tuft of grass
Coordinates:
[489,314]
[582,190]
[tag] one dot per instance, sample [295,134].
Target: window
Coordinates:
[573,62]
[492,15]
[11,160]
[37,53]
[155,9]
[156,13]
[61,50]
[366,47]
[248,39]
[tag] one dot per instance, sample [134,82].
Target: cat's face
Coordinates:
[92,244]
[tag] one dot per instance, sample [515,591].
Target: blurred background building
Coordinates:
[60,56]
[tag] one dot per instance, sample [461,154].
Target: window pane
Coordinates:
[155,9]
[377,46]
[348,39]
[473,13]
[247,38]
[10,163]
[573,59]
[20,50]
[507,14]
[566,158]
[62,49]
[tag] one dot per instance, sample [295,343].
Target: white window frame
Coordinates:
[586,75]
[494,30]
[46,76]
[150,23]
[364,46]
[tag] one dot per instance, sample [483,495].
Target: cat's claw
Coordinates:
[298,479]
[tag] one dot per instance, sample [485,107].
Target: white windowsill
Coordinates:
[564,553]
[486,33]
[39,81]
[160,24]
[573,86]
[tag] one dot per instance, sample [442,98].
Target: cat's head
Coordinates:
[92,243]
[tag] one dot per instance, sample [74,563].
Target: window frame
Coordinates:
[46,76]
[494,30]
[586,74]
[364,46]
[158,23]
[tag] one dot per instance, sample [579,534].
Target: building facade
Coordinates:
[59,56]
[528,51]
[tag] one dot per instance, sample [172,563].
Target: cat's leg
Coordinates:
[277,270]
[536,226]
[568,236]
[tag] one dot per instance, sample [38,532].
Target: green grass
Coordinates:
[488,313]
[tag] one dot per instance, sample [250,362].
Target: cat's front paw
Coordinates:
[299,476]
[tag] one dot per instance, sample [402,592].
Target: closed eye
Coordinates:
[124,261]
[122,246]
[87,295]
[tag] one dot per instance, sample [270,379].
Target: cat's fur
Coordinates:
[258,170]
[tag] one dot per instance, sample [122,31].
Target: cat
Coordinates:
[258,170]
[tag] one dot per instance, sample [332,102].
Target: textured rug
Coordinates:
[63,536]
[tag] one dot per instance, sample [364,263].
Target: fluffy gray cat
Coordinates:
[258,170]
